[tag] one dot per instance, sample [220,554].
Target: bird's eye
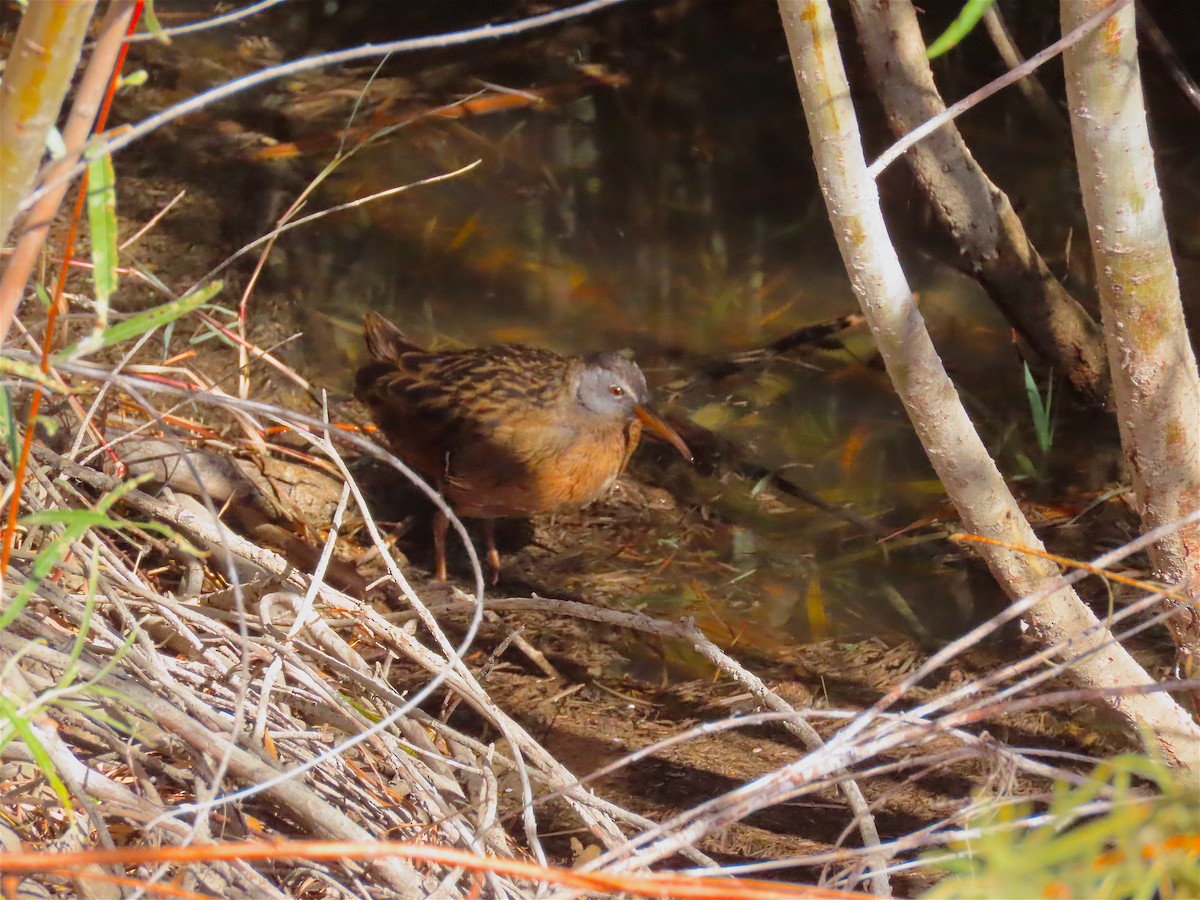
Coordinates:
[617,391]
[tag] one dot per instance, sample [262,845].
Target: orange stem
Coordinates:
[667,885]
[14,506]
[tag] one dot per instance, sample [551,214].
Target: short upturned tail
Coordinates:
[384,340]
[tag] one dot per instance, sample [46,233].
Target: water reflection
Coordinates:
[687,225]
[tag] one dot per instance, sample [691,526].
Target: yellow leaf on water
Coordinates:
[713,416]
[464,233]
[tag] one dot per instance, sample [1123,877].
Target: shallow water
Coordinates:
[678,215]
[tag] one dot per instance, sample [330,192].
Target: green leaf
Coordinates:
[1040,410]
[967,19]
[81,519]
[136,326]
[152,23]
[8,428]
[75,523]
[46,560]
[105,503]
[29,372]
[1135,830]
[133,79]
[21,727]
[102,219]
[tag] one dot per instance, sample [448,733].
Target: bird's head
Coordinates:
[613,387]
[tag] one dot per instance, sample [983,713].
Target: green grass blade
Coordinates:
[28,372]
[8,428]
[967,19]
[76,523]
[1136,837]
[1039,409]
[46,560]
[102,220]
[21,728]
[75,519]
[136,326]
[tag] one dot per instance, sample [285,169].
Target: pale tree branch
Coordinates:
[78,128]
[1155,380]
[36,78]
[977,214]
[955,450]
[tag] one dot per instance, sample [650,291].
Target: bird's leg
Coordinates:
[440,523]
[493,555]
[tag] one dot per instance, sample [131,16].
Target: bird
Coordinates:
[508,430]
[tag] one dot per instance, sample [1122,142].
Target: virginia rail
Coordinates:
[508,430]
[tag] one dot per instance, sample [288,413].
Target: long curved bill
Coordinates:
[661,429]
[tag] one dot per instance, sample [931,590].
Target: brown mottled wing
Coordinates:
[470,420]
